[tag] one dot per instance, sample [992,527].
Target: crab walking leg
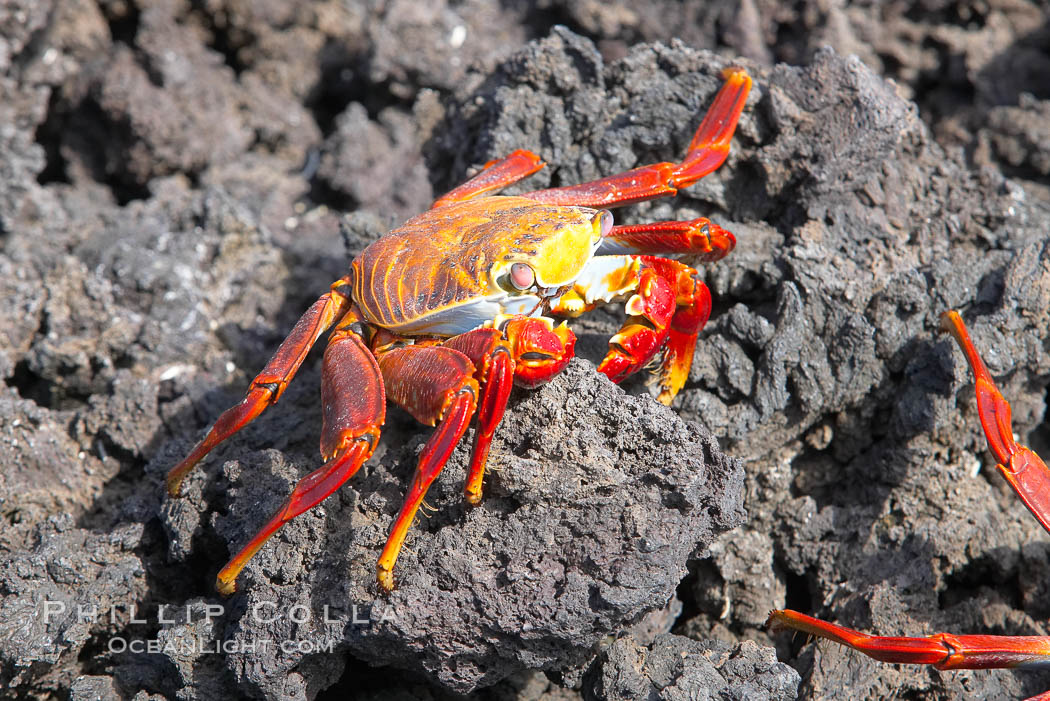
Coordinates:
[707,151]
[436,385]
[354,409]
[942,650]
[491,355]
[699,238]
[529,351]
[495,176]
[269,384]
[1022,468]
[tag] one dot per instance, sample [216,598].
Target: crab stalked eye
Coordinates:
[522,276]
[606,221]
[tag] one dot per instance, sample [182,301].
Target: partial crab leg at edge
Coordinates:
[1022,468]
[942,650]
[1030,478]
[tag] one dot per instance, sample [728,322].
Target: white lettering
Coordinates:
[212,610]
[303,617]
[160,614]
[388,615]
[134,610]
[53,608]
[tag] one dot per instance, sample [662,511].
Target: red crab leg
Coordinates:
[354,409]
[491,355]
[269,384]
[699,239]
[942,650]
[707,151]
[1030,478]
[1021,467]
[495,176]
[436,385]
[528,351]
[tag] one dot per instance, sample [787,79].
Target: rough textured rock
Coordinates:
[676,668]
[582,530]
[170,193]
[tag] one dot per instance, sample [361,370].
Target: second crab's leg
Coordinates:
[707,151]
[354,409]
[436,386]
[269,384]
[1030,478]
[1022,468]
[942,650]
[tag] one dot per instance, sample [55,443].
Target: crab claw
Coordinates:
[540,349]
[1022,468]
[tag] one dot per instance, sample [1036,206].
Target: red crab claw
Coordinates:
[666,312]
[540,349]
[1021,467]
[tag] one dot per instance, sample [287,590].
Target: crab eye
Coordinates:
[606,222]
[522,276]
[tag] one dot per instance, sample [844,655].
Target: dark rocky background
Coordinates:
[174,176]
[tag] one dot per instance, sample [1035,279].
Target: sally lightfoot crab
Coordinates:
[445,313]
[1029,476]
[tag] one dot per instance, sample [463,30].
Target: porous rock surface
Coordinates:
[170,196]
[587,524]
[676,668]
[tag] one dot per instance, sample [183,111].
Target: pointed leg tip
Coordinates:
[174,482]
[951,321]
[226,587]
[385,579]
[736,74]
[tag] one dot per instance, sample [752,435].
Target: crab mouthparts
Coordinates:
[534,355]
